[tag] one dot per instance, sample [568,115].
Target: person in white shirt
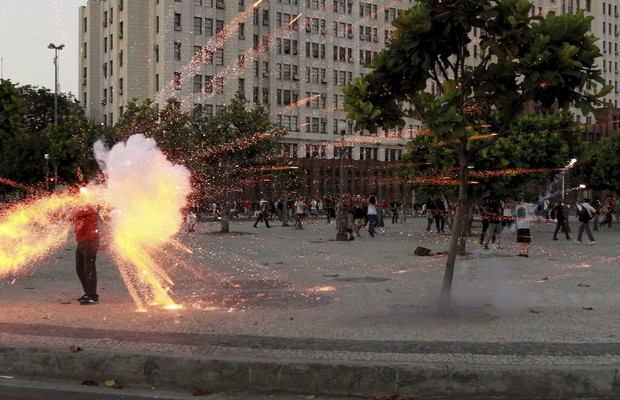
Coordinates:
[372,214]
[585,212]
[525,213]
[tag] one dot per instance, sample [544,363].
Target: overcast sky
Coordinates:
[27,27]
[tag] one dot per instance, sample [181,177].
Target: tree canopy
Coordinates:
[600,167]
[532,154]
[31,147]
[430,71]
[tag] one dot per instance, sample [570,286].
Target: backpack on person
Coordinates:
[584,215]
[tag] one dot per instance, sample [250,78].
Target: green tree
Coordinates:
[12,110]
[237,141]
[600,168]
[34,148]
[169,127]
[523,58]
[532,154]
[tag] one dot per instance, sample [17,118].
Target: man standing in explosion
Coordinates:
[87,237]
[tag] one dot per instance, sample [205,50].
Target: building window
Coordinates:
[241,31]
[157,82]
[120,30]
[197,26]
[177,81]
[208,84]
[265,95]
[208,27]
[177,22]
[156,50]
[177,51]
[157,24]
[219,57]
[120,87]
[241,85]
[219,85]
[197,83]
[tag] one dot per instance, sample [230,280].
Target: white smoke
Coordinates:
[146,191]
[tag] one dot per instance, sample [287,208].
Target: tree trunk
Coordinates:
[466,227]
[224,225]
[285,208]
[445,301]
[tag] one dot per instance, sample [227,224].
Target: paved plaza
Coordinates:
[283,310]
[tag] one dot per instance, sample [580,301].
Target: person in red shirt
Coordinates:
[87,237]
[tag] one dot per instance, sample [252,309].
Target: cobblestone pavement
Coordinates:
[300,295]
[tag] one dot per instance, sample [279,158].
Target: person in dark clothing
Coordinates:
[263,206]
[87,237]
[394,206]
[439,211]
[562,221]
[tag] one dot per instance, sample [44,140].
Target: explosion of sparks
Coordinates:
[143,195]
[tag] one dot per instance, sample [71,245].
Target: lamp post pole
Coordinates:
[341,219]
[55,48]
[570,165]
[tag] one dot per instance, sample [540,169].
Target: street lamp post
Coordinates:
[569,166]
[47,172]
[342,217]
[55,48]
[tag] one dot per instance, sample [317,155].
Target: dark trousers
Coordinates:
[561,225]
[85,266]
[485,226]
[262,216]
[440,222]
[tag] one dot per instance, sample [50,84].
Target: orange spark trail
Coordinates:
[29,231]
[146,193]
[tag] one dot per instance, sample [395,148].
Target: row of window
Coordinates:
[209,3]
[320,151]
[286,20]
[210,84]
[606,8]
[286,46]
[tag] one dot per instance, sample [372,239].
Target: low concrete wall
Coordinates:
[185,373]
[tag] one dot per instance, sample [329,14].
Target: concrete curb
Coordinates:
[183,373]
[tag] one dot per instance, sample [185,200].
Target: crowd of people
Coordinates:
[498,216]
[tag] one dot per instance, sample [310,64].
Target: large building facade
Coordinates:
[293,56]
